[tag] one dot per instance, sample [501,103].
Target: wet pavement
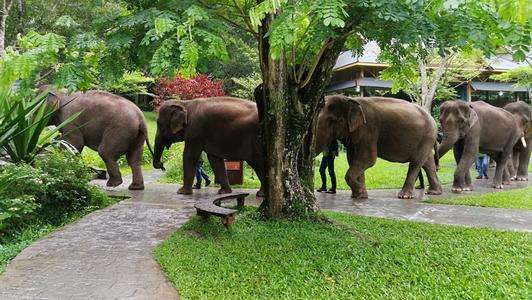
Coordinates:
[108,253]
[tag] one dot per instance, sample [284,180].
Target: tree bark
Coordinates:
[4,14]
[288,114]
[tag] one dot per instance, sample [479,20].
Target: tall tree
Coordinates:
[299,42]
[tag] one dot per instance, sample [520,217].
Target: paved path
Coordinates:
[108,254]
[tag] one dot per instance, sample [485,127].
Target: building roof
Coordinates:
[371,53]
[496,87]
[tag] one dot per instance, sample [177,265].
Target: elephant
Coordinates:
[518,167]
[472,127]
[108,124]
[371,127]
[222,127]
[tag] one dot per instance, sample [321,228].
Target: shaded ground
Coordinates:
[108,254]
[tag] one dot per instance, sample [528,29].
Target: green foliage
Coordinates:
[522,76]
[24,116]
[245,86]
[131,83]
[366,258]
[58,185]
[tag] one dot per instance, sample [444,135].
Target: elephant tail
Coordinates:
[436,156]
[144,130]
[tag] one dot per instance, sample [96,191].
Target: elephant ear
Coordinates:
[178,118]
[355,115]
[473,117]
[53,100]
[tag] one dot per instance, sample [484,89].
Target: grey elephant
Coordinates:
[108,124]
[470,127]
[392,129]
[518,167]
[222,127]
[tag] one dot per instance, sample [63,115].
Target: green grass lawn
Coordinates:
[520,198]
[306,260]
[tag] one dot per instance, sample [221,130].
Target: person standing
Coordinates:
[200,174]
[482,164]
[327,162]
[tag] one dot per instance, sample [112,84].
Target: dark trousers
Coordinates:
[327,162]
[200,174]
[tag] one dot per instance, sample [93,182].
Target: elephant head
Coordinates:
[523,113]
[456,118]
[171,128]
[339,117]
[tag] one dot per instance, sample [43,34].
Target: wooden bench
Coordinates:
[210,206]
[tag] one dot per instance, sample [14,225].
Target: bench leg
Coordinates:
[240,202]
[228,220]
[202,214]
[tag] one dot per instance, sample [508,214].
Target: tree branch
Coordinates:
[326,45]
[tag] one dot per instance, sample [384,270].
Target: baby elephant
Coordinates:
[108,124]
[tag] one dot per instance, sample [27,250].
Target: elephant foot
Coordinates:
[405,194]
[456,190]
[434,192]
[513,178]
[136,187]
[498,186]
[114,182]
[184,191]
[225,191]
[519,178]
[362,194]
[467,188]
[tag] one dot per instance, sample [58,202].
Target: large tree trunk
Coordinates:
[287,113]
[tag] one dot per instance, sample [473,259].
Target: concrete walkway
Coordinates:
[105,255]
[108,254]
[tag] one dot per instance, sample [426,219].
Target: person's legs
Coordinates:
[478,166]
[332,174]
[323,166]
[205,176]
[485,165]
[198,177]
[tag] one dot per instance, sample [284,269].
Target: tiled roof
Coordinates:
[371,52]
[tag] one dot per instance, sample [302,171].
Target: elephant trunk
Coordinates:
[449,139]
[158,152]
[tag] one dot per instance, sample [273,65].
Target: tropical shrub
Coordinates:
[58,185]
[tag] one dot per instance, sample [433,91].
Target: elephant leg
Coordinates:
[432,176]
[407,192]
[512,165]
[191,156]
[134,158]
[506,177]
[220,174]
[110,160]
[360,158]
[502,160]
[524,159]
[258,167]
[356,180]
[469,153]
[458,182]
[468,183]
